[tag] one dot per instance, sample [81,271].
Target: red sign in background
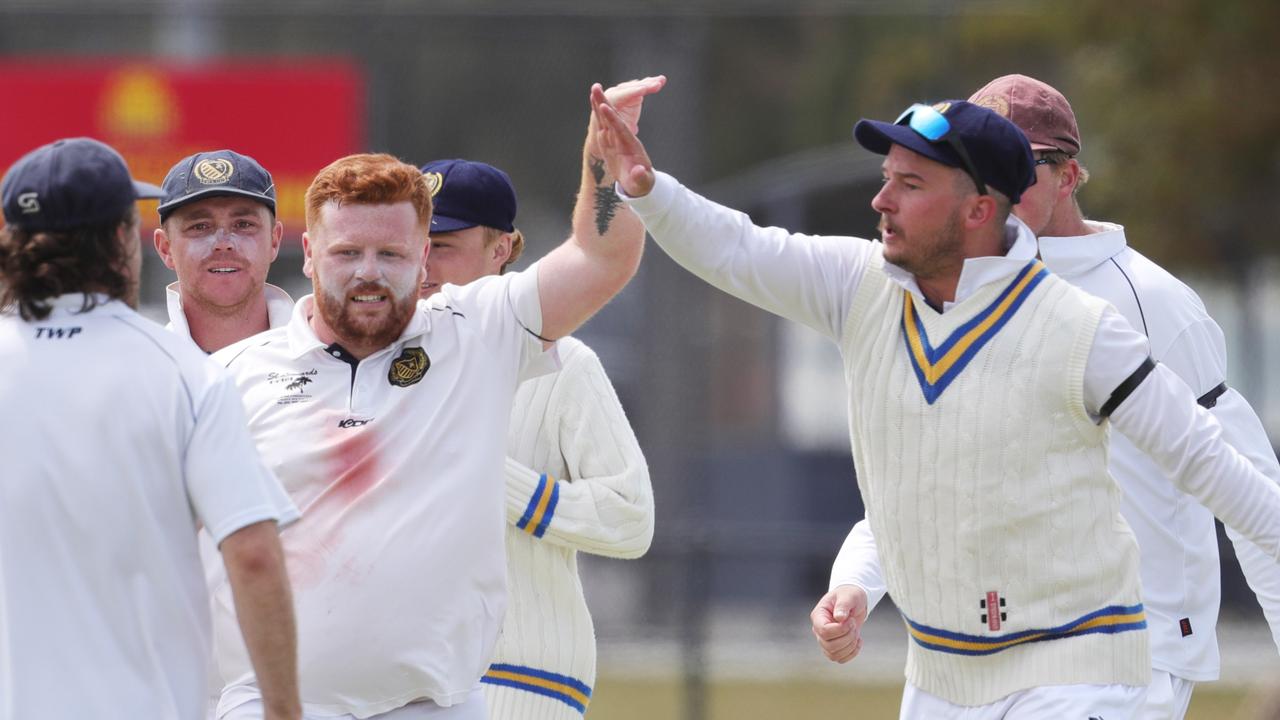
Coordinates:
[292,116]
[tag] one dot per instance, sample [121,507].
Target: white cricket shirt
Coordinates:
[396,462]
[279,308]
[117,438]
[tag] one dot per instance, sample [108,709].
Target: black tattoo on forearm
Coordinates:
[597,168]
[607,202]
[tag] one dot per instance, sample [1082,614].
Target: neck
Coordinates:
[213,329]
[940,285]
[1067,222]
[359,350]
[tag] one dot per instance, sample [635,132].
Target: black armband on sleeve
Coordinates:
[1126,388]
[1209,399]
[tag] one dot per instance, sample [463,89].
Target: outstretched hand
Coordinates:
[615,120]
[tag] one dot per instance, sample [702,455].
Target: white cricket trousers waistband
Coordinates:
[473,709]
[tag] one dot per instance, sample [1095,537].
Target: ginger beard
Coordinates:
[367,313]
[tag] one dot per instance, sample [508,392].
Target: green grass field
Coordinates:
[620,699]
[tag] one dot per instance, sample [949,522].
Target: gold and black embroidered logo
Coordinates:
[434,182]
[213,172]
[409,368]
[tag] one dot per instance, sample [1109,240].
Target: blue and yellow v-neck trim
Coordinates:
[936,368]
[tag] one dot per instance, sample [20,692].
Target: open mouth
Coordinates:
[368,298]
[223,270]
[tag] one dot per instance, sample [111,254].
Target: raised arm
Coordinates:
[605,505]
[808,279]
[577,278]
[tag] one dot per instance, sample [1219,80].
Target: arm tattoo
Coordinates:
[607,202]
[597,168]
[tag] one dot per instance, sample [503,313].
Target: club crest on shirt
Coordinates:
[294,384]
[409,367]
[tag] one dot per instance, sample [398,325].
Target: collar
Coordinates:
[979,271]
[1073,256]
[279,308]
[302,337]
[70,303]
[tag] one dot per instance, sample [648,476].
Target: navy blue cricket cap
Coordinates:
[1000,152]
[466,193]
[210,174]
[70,183]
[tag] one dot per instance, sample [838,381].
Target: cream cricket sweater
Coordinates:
[576,480]
[986,484]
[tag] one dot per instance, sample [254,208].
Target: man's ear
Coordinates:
[163,247]
[277,236]
[307,264]
[982,210]
[501,250]
[1068,178]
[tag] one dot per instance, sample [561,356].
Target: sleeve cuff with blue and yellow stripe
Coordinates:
[531,498]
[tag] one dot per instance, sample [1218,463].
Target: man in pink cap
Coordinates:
[1179,561]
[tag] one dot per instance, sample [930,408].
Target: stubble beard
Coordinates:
[933,254]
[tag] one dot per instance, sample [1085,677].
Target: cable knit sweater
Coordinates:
[576,480]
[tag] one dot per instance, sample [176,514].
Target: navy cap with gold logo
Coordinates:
[211,174]
[467,193]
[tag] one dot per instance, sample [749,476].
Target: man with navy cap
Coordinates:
[1179,566]
[473,228]
[981,391]
[118,440]
[576,479]
[218,231]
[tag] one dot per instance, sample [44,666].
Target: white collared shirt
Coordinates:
[279,308]
[396,461]
[117,439]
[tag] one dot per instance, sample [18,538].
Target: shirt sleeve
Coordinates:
[805,278]
[605,505]
[510,315]
[1118,350]
[1244,431]
[1162,419]
[858,563]
[227,482]
[1198,355]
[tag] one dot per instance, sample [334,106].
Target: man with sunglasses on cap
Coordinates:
[219,233]
[1179,563]
[576,479]
[117,439]
[981,392]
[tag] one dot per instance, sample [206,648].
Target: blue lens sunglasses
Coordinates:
[934,127]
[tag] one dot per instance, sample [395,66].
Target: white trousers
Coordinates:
[1168,697]
[472,709]
[1077,702]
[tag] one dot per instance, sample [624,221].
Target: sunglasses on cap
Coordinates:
[934,127]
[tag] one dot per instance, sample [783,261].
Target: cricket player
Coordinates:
[1179,562]
[576,479]
[982,388]
[377,412]
[219,233]
[118,439]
